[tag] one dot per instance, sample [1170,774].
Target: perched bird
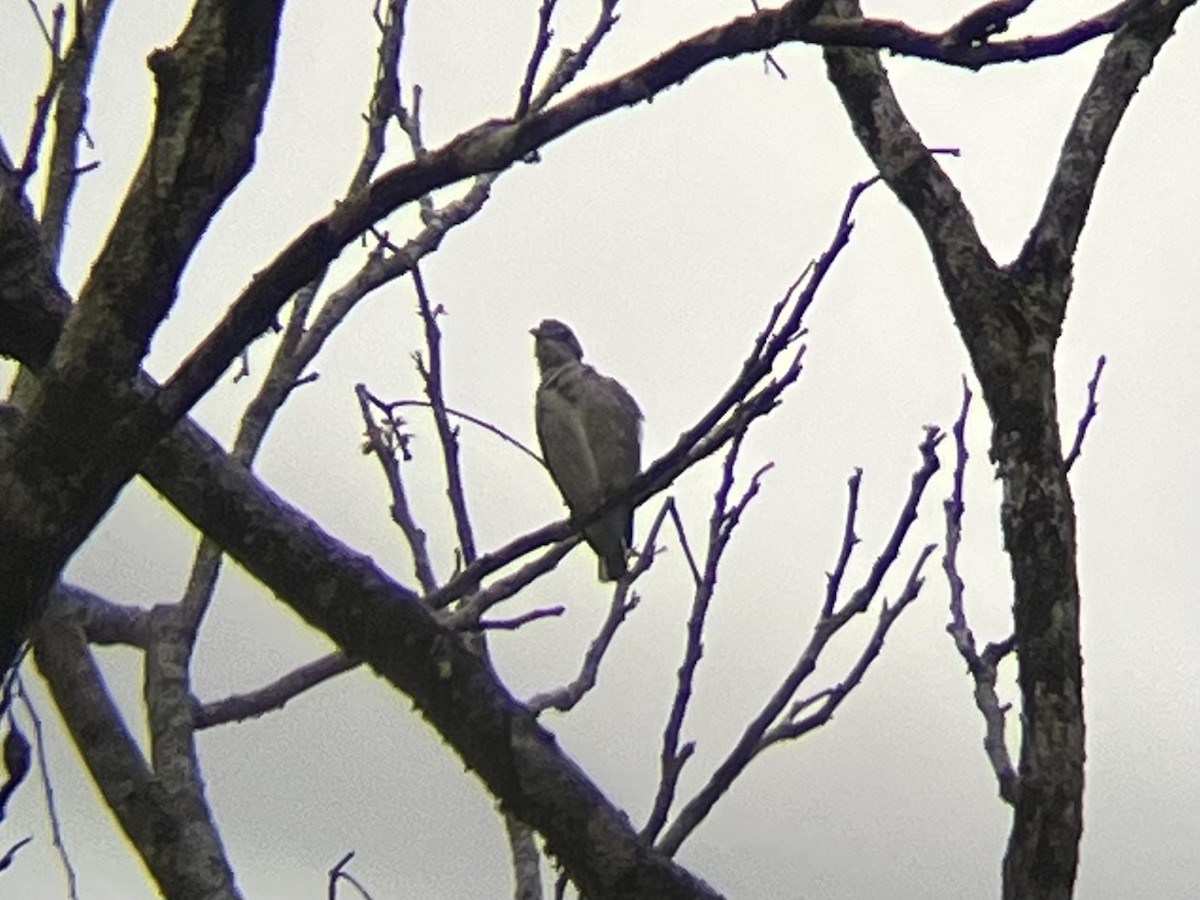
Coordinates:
[590,431]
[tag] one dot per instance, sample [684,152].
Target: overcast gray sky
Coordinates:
[663,234]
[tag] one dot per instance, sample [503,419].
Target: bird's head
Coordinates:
[554,345]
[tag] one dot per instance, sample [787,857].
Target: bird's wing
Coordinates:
[613,424]
[564,439]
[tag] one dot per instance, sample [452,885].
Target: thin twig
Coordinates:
[722,521]
[339,873]
[70,112]
[566,697]
[982,668]
[849,541]
[572,62]
[447,436]
[474,420]
[39,744]
[758,734]
[239,707]
[466,614]
[623,602]
[384,445]
[540,45]
[831,698]
[1088,414]
[517,621]
[769,61]
[41,109]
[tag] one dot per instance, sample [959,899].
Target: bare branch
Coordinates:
[273,696]
[69,115]
[517,621]
[359,607]
[1089,413]
[722,522]
[496,145]
[104,621]
[474,420]
[849,541]
[82,439]
[982,668]
[465,615]
[384,446]
[339,873]
[291,355]
[41,109]
[7,859]
[540,45]
[526,860]
[673,511]
[572,62]
[831,698]
[759,732]
[165,837]
[980,25]
[39,746]
[1144,28]
[447,436]
[566,697]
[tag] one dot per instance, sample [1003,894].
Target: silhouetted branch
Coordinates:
[722,521]
[566,697]
[338,873]
[1089,413]
[273,696]
[540,45]
[982,667]
[673,511]
[830,698]
[39,749]
[467,417]
[495,145]
[166,835]
[623,603]
[850,540]
[517,621]
[1127,60]
[384,444]
[572,62]
[465,615]
[766,729]
[69,114]
[17,177]
[980,25]
[431,375]
[7,859]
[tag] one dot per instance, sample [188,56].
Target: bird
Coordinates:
[589,429]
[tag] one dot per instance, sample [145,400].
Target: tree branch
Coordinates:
[722,522]
[1127,60]
[172,841]
[69,115]
[1089,414]
[759,733]
[79,442]
[273,696]
[981,667]
[495,145]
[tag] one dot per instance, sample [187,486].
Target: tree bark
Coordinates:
[1010,318]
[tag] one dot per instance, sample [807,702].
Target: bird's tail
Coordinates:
[613,565]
